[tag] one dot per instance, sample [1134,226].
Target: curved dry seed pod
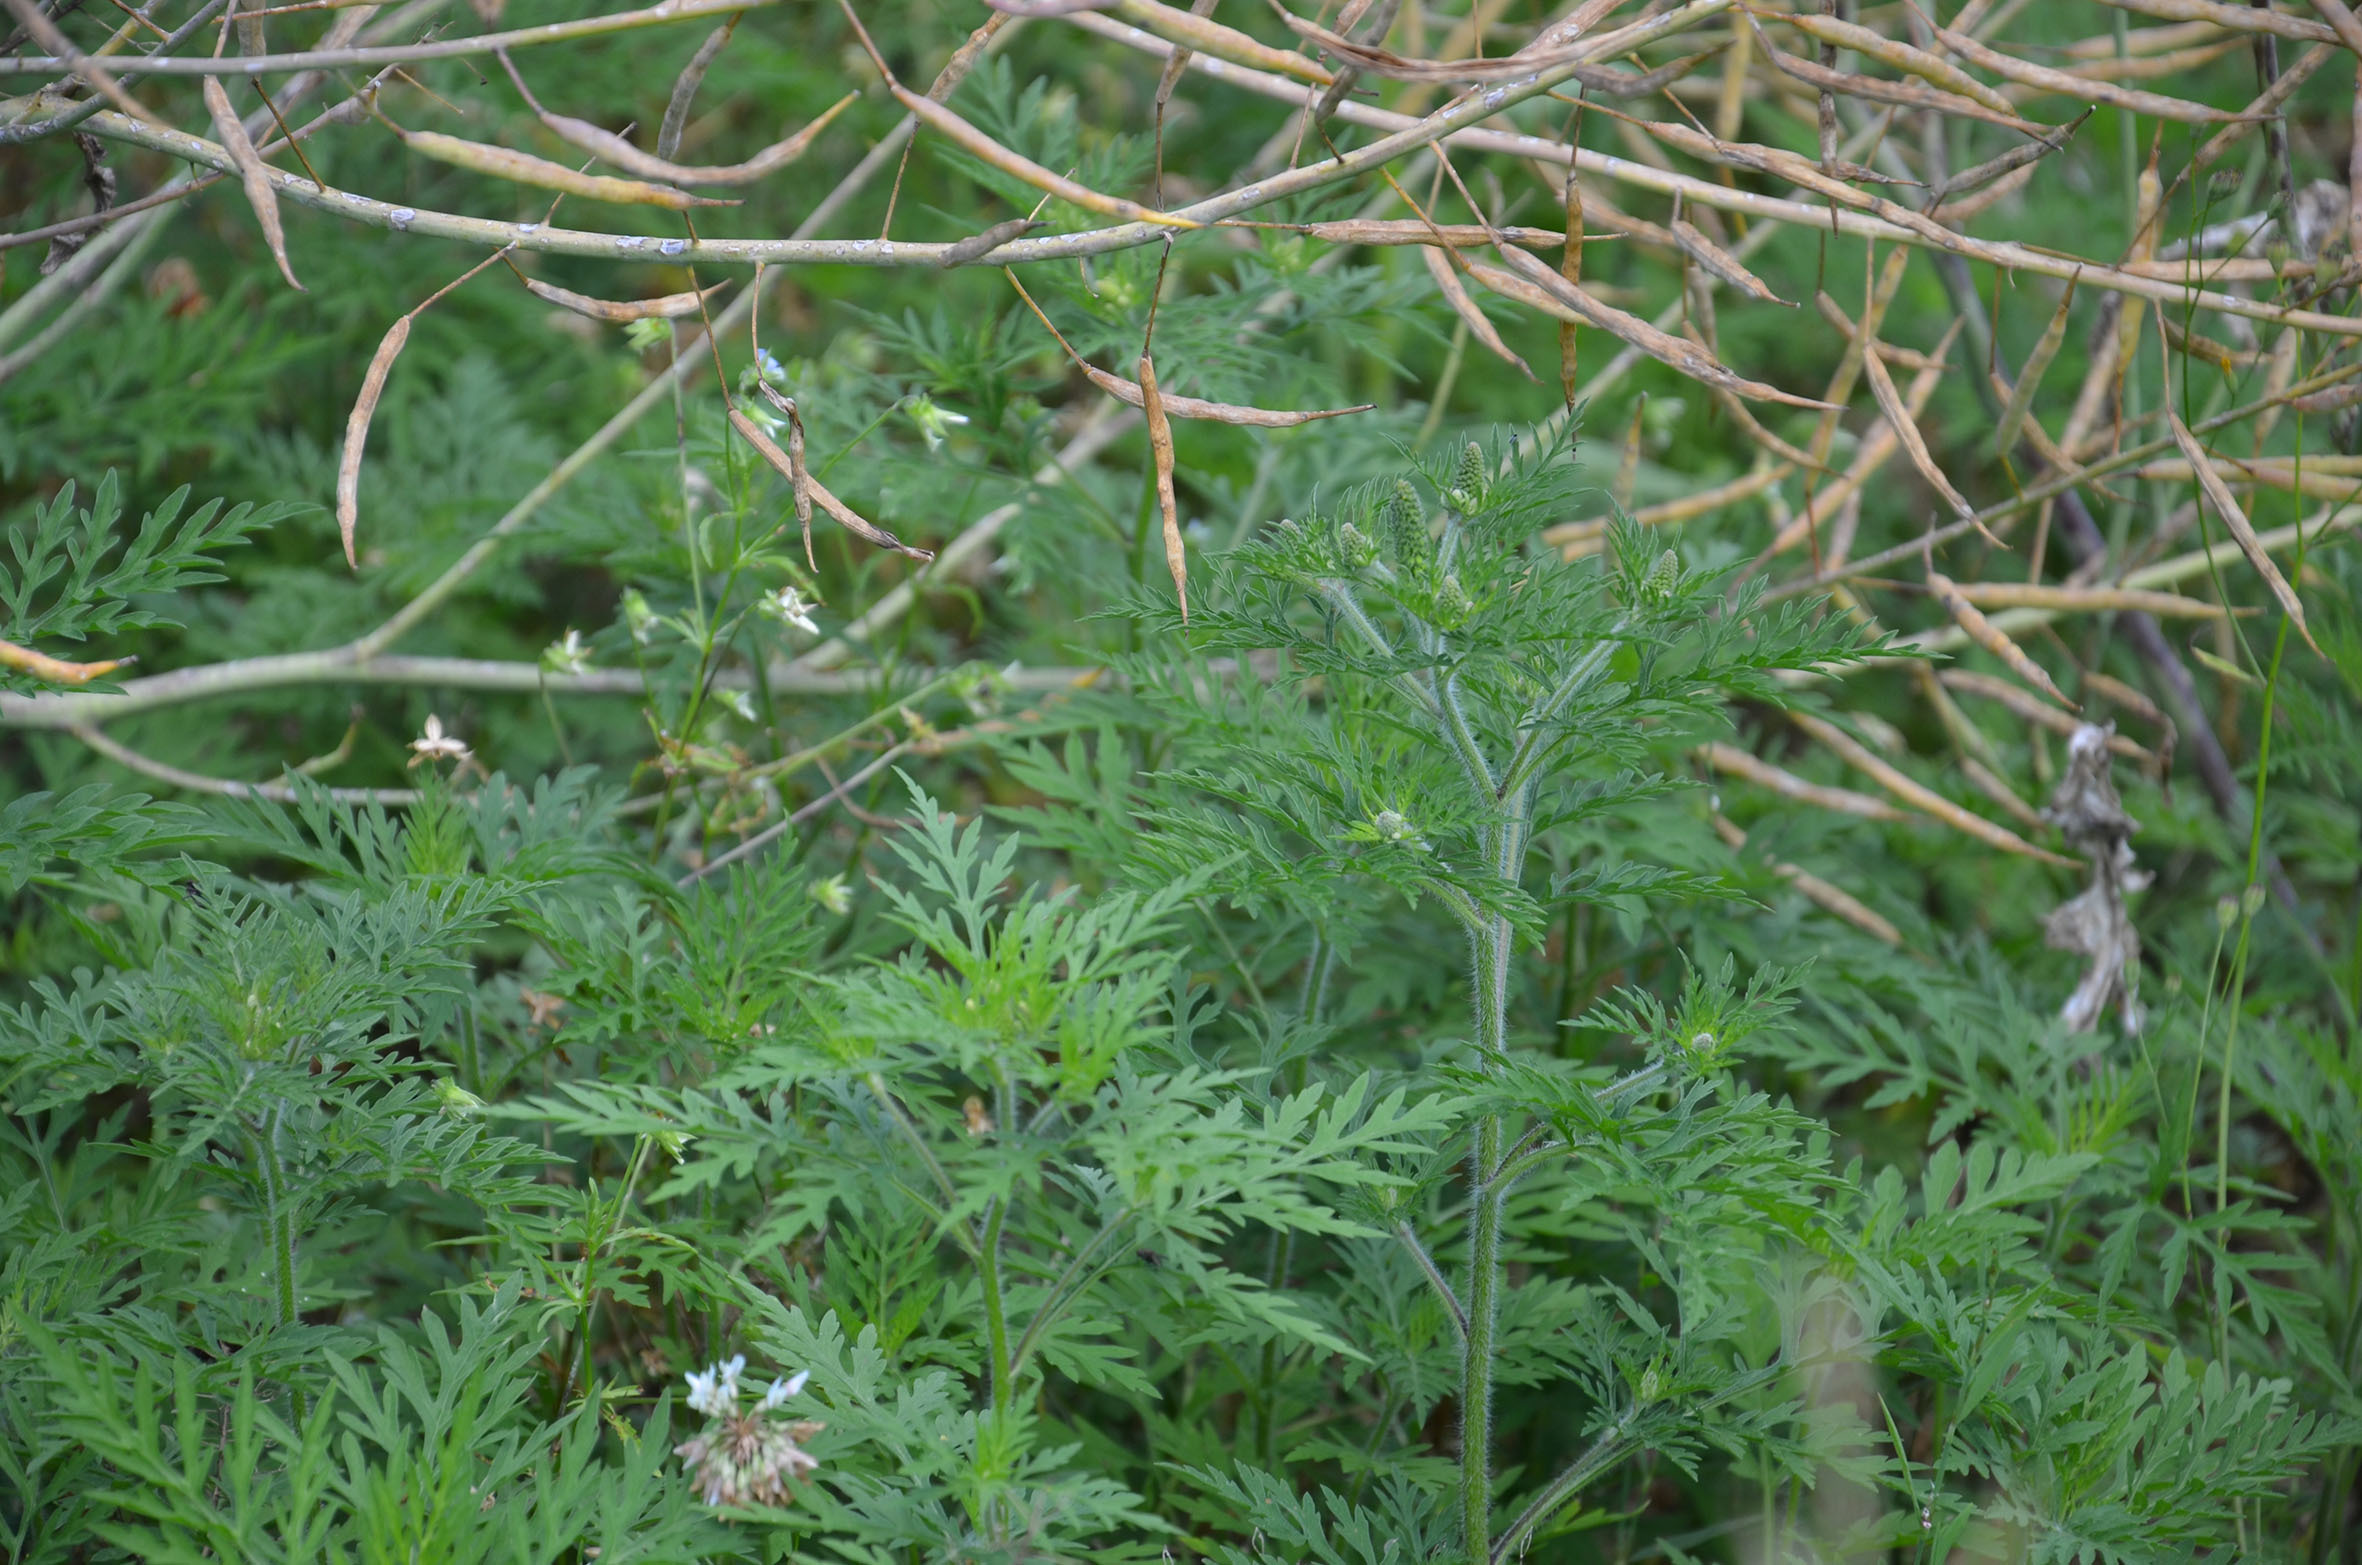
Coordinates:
[979,245]
[1570,267]
[56,670]
[1129,393]
[800,478]
[1906,428]
[855,523]
[1918,795]
[1203,35]
[1929,68]
[601,143]
[253,176]
[2236,520]
[2230,18]
[1374,61]
[968,138]
[1725,266]
[523,168]
[1732,761]
[2021,395]
[2092,600]
[685,85]
[2082,88]
[1160,447]
[2050,140]
[356,435]
[1544,290]
[1992,638]
[2003,693]
[1911,94]
[1455,294]
[664,307]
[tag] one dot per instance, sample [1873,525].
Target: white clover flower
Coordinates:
[744,1456]
[436,745]
[569,654]
[789,608]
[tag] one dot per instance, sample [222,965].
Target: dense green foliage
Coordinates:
[1342,1075]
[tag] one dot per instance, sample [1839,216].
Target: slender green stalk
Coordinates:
[996,1307]
[1435,1277]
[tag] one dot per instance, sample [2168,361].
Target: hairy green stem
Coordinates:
[1612,1446]
[1434,1275]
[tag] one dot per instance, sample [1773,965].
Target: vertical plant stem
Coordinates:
[279,1230]
[1490,946]
[1476,1371]
[996,1310]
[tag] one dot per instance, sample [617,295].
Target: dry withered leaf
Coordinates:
[356,434]
[852,521]
[2227,507]
[522,168]
[2096,924]
[56,670]
[1160,446]
[665,307]
[253,175]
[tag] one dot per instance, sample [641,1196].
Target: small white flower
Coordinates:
[570,654]
[789,608]
[739,702]
[436,745]
[638,616]
[933,422]
[833,894]
[744,1456]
